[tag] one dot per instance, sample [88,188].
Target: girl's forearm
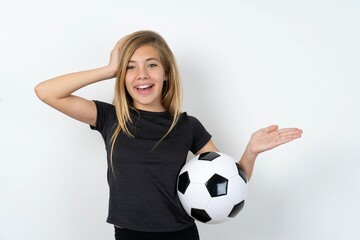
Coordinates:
[63,86]
[247,161]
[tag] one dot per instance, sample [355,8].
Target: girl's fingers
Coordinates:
[289,135]
[269,129]
[290,131]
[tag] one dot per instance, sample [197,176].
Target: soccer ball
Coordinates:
[212,188]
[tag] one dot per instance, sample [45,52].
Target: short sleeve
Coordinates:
[105,116]
[200,135]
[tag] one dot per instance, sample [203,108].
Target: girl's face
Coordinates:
[145,78]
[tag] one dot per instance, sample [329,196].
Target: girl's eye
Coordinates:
[130,67]
[152,65]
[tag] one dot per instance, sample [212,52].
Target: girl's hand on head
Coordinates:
[114,55]
[271,137]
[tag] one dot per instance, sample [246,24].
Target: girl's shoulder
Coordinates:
[191,119]
[104,105]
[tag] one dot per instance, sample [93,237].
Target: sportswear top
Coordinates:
[142,183]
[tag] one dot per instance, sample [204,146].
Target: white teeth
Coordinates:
[143,87]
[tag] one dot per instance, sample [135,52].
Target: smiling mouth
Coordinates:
[144,87]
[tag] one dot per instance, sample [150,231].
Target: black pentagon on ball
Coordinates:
[200,215]
[236,209]
[208,156]
[183,182]
[217,185]
[241,173]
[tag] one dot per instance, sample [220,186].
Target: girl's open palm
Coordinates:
[271,137]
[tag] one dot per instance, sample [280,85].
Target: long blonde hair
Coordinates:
[171,93]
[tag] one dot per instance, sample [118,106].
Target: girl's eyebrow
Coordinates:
[148,59]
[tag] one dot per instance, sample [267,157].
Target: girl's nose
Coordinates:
[142,73]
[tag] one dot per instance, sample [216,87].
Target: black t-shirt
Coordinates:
[143,194]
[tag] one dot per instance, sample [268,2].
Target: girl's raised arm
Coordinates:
[58,92]
[262,140]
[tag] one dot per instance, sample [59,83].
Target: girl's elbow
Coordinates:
[40,92]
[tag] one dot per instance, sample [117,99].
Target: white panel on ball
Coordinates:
[237,189]
[225,169]
[197,195]
[219,208]
[184,202]
[200,171]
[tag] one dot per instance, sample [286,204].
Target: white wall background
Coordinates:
[244,64]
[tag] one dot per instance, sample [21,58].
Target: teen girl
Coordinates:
[147,137]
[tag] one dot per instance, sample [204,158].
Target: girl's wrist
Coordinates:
[250,153]
[110,71]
